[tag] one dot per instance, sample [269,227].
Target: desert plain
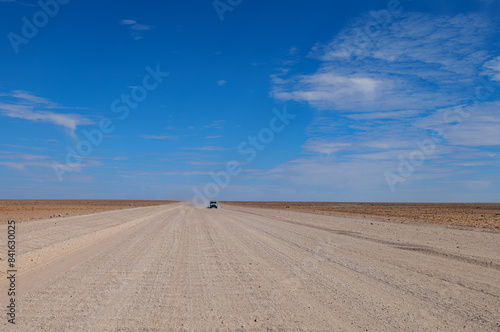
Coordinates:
[276,266]
[470,215]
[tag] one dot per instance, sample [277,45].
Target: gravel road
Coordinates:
[180,268]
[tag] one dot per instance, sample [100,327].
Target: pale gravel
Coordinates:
[180,268]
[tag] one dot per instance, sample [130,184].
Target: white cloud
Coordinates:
[27,97]
[215,124]
[419,62]
[389,93]
[209,148]
[328,88]
[161,137]
[185,173]
[32,108]
[492,68]
[24,147]
[395,115]
[135,28]
[466,126]
[221,82]
[70,121]
[24,156]
[324,146]
[20,161]
[16,165]
[128,22]
[346,176]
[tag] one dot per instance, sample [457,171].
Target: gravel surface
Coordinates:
[25,210]
[180,268]
[473,215]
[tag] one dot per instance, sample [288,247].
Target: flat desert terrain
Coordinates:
[176,267]
[24,210]
[476,215]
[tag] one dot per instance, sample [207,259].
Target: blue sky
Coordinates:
[374,100]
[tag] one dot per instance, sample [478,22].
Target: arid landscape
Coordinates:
[25,210]
[475,215]
[175,267]
[230,165]
[466,215]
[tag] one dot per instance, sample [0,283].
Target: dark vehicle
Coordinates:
[213,204]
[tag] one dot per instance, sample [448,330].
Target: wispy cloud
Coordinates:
[23,164]
[25,147]
[394,115]
[135,28]
[24,105]
[420,62]
[31,99]
[385,94]
[492,68]
[20,166]
[221,82]
[481,128]
[215,124]
[185,173]
[20,161]
[24,156]
[324,146]
[160,137]
[160,173]
[209,148]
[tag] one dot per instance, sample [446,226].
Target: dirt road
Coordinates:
[180,268]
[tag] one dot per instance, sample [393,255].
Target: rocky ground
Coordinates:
[25,210]
[180,268]
[477,215]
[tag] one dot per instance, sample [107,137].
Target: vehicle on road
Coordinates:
[213,205]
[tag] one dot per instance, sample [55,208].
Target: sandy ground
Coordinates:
[24,210]
[475,215]
[180,268]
